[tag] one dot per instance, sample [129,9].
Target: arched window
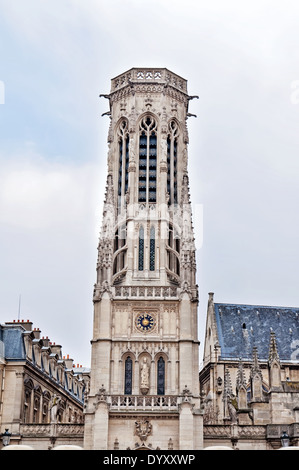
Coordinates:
[123,152]
[172,150]
[128,376]
[28,389]
[141,250]
[120,240]
[173,255]
[152,249]
[161,376]
[45,407]
[147,160]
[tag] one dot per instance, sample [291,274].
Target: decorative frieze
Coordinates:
[229,431]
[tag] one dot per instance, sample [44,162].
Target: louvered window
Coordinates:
[147,160]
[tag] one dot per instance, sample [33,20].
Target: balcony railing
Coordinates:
[149,75]
[153,291]
[148,403]
[46,430]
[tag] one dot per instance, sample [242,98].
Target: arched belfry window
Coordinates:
[123,154]
[147,160]
[172,155]
[161,376]
[128,376]
[141,250]
[152,249]
[173,250]
[120,249]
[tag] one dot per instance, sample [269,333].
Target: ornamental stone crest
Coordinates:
[143,428]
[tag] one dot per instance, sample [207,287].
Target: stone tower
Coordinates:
[144,390]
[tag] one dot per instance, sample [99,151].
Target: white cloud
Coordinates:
[50,216]
[36,194]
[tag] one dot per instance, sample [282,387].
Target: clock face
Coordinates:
[145,322]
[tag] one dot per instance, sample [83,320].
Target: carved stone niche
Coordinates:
[144,376]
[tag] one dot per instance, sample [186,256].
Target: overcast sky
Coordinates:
[56,57]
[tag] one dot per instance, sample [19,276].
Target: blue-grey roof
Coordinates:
[241,327]
[13,342]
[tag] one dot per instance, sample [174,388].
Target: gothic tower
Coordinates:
[144,390]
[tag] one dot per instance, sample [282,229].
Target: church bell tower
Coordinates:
[144,389]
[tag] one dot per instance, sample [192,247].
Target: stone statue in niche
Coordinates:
[54,406]
[144,377]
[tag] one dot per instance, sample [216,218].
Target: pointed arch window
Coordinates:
[123,153]
[141,250]
[120,240]
[147,191]
[173,255]
[128,376]
[161,376]
[172,151]
[152,249]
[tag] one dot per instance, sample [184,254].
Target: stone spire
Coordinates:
[240,375]
[274,364]
[273,352]
[105,247]
[256,378]
[241,386]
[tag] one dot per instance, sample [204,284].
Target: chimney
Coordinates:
[46,341]
[27,325]
[36,332]
[56,349]
[68,362]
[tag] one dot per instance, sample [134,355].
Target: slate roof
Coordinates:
[241,327]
